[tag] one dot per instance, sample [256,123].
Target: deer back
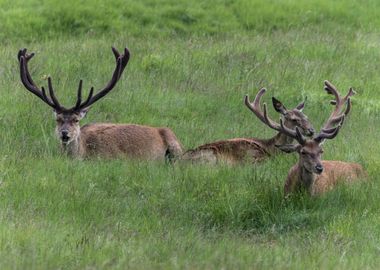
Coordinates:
[128,140]
[233,151]
[336,172]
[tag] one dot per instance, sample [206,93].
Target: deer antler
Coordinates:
[121,63]
[329,130]
[339,102]
[333,132]
[26,79]
[52,101]
[263,116]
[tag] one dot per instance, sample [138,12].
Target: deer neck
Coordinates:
[306,178]
[278,139]
[74,148]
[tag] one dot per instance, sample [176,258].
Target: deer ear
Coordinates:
[83,112]
[301,106]
[289,148]
[278,106]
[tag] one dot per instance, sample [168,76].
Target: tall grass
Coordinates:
[192,62]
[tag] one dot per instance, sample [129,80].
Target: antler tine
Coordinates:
[262,115]
[331,89]
[27,57]
[295,134]
[270,122]
[85,104]
[27,81]
[52,95]
[351,92]
[255,106]
[121,63]
[79,96]
[337,115]
[300,138]
[331,134]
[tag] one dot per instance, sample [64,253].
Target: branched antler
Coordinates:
[333,124]
[263,116]
[52,101]
[29,84]
[339,102]
[121,63]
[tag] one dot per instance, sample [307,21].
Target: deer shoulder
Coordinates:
[336,172]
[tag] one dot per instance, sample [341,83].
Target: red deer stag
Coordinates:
[103,139]
[239,150]
[311,173]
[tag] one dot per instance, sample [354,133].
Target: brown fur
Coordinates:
[235,151]
[124,140]
[334,172]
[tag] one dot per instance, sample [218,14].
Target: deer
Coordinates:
[312,174]
[106,140]
[254,150]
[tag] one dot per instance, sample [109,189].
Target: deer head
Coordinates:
[68,128]
[291,118]
[310,150]
[294,117]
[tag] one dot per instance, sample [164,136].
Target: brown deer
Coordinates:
[239,150]
[103,139]
[311,173]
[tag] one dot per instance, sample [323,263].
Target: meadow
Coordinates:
[191,64]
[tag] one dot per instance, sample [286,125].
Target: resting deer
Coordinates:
[103,140]
[310,172]
[239,150]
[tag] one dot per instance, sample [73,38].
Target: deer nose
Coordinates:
[65,135]
[319,169]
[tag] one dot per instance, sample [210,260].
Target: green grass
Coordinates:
[192,62]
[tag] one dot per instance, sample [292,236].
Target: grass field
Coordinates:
[192,62]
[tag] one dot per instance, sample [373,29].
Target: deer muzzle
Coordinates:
[65,136]
[318,169]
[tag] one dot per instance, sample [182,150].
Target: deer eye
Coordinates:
[75,120]
[303,153]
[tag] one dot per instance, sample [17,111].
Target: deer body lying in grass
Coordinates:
[311,173]
[239,150]
[103,139]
